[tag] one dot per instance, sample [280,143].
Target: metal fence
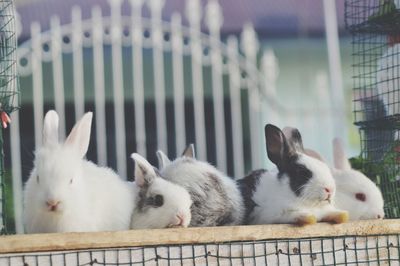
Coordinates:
[346,250]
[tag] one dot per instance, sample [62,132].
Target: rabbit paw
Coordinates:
[305,219]
[337,217]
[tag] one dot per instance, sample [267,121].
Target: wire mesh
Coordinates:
[380,16]
[8,83]
[341,250]
[8,61]
[375,27]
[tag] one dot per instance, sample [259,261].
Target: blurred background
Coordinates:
[294,30]
[308,86]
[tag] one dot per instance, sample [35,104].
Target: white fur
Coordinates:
[177,201]
[95,200]
[349,182]
[277,203]
[192,175]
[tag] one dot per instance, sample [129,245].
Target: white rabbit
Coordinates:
[66,193]
[355,193]
[216,198]
[158,202]
[300,190]
[388,79]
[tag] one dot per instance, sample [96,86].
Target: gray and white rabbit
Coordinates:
[300,190]
[216,197]
[67,193]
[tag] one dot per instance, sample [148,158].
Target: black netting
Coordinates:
[375,27]
[340,250]
[8,82]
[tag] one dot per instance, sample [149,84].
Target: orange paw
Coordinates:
[336,217]
[305,220]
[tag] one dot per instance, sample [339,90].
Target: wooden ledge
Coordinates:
[132,238]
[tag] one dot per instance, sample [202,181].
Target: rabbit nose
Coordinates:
[52,204]
[181,219]
[379,216]
[328,190]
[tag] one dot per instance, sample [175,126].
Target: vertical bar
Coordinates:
[77,58]
[236,107]
[214,21]
[37,80]
[270,72]
[159,77]
[138,83]
[16,167]
[178,81]
[58,77]
[337,93]
[250,47]
[255,129]
[99,88]
[324,117]
[3,226]
[119,114]
[193,15]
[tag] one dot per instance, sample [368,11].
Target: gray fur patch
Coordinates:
[142,196]
[214,207]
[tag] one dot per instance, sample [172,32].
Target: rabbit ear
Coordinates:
[144,171]
[294,137]
[314,154]
[339,157]
[79,137]
[50,128]
[162,159]
[277,146]
[189,151]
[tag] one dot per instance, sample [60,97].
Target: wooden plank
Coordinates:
[132,238]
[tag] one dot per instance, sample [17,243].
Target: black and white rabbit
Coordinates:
[300,190]
[216,197]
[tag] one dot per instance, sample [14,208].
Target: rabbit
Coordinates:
[299,191]
[388,79]
[216,197]
[355,192]
[67,193]
[158,202]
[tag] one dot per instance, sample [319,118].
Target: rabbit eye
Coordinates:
[361,197]
[158,200]
[303,172]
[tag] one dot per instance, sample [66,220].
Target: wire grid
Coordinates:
[380,16]
[376,69]
[381,151]
[341,250]
[8,58]
[375,27]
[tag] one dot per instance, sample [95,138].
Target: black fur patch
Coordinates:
[247,186]
[298,174]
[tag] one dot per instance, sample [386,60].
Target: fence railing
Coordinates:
[152,85]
